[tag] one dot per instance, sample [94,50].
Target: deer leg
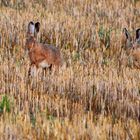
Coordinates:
[29,71]
[32,70]
[50,68]
[44,71]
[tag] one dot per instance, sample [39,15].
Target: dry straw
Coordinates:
[95,95]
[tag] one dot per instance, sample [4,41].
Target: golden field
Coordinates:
[96,93]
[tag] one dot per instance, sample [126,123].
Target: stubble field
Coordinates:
[96,93]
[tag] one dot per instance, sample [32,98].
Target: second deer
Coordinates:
[132,47]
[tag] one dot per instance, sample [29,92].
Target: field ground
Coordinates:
[96,93]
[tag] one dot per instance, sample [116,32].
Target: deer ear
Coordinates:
[31,28]
[125,31]
[138,33]
[127,34]
[37,27]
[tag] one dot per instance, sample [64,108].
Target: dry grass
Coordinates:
[95,95]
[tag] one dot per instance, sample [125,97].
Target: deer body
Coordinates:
[44,55]
[41,55]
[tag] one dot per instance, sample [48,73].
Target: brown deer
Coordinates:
[41,55]
[132,47]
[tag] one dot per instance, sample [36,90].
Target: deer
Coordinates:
[41,55]
[132,47]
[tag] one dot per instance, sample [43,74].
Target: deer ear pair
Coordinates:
[127,34]
[33,28]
